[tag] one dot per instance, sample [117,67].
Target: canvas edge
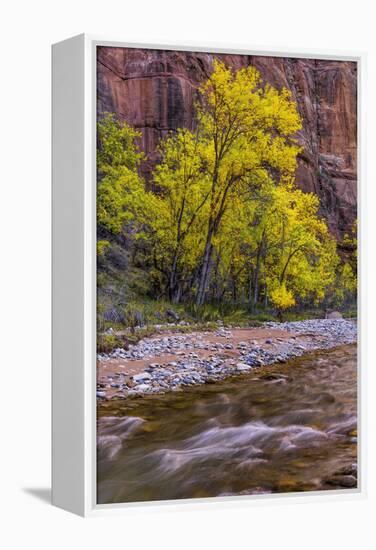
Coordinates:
[68,377]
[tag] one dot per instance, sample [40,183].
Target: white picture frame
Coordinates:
[74,275]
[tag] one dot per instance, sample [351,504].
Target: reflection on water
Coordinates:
[280,429]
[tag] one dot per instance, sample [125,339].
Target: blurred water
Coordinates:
[280,429]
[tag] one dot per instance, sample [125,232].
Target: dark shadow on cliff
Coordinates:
[41,493]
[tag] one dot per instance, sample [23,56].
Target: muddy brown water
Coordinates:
[282,428]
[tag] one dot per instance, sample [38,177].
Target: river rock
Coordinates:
[243,367]
[351,470]
[101,394]
[141,377]
[143,388]
[274,376]
[172,314]
[334,315]
[347,481]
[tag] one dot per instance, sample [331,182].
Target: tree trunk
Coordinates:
[177,295]
[250,291]
[234,289]
[172,279]
[205,271]
[256,281]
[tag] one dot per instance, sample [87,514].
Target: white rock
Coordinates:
[141,377]
[143,387]
[243,366]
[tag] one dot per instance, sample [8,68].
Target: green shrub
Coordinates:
[107,342]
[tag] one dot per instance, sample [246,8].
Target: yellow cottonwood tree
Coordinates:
[249,132]
[244,139]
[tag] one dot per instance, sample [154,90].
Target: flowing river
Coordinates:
[282,428]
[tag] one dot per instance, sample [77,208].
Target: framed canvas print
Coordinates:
[205,268]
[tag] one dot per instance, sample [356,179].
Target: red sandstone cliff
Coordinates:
[155,90]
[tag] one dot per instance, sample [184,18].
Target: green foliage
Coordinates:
[120,193]
[117,147]
[107,342]
[102,246]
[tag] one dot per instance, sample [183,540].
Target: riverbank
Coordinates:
[171,362]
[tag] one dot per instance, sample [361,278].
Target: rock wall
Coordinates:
[155,91]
